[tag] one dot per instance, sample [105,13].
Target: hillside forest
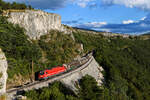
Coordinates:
[127,71]
[126,62]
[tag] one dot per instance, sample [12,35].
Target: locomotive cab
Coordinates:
[41,75]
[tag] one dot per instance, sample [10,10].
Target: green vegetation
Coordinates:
[1,74]
[126,62]
[57,91]
[58,48]
[89,90]
[18,49]
[51,50]
[14,5]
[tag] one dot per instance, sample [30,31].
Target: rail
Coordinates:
[77,66]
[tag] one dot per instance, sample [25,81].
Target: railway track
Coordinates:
[75,65]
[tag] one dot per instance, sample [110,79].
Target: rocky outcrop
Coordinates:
[93,69]
[35,22]
[3,72]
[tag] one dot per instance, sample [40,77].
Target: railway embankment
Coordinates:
[86,66]
[91,68]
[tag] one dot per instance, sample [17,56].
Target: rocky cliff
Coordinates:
[35,22]
[93,69]
[3,72]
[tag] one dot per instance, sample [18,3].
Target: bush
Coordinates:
[58,48]
[1,74]
[20,52]
[54,92]
[57,91]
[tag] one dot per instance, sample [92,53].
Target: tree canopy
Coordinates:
[6,5]
[126,62]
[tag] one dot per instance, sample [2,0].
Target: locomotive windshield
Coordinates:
[42,73]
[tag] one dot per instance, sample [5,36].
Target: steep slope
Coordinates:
[50,50]
[3,72]
[93,69]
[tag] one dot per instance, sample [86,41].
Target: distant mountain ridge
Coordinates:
[146,33]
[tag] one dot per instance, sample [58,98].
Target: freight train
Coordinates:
[45,74]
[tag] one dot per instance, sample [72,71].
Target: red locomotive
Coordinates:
[51,72]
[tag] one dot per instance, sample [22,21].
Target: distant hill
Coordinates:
[145,36]
[146,33]
[87,29]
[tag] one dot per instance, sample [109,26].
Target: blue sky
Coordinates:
[119,16]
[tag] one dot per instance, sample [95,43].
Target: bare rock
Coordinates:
[93,69]
[35,22]
[3,72]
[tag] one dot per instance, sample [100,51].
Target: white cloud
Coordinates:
[129,26]
[128,21]
[143,18]
[92,25]
[142,4]
[82,3]
[96,24]
[143,25]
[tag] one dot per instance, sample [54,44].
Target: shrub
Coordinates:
[1,74]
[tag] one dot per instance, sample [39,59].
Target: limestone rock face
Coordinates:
[35,22]
[3,72]
[93,69]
